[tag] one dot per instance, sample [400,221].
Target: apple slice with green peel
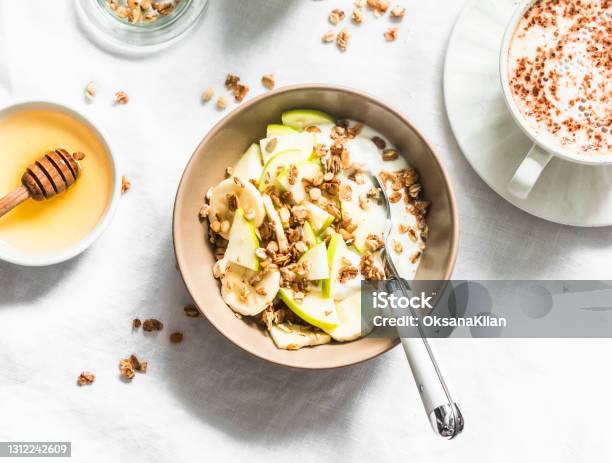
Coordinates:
[305,170]
[279,129]
[308,235]
[249,166]
[369,221]
[318,217]
[242,242]
[302,118]
[335,252]
[274,164]
[314,308]
[316,258]
[294,337]
[271,146]
[279,231]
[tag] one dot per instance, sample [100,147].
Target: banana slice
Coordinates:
[243,293]
[294,337]
[352,324]
[249,200]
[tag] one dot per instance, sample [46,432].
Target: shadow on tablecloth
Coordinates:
[245,397]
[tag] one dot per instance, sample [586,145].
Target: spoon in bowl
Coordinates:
[443,413]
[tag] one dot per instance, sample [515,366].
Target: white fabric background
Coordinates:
[206,400]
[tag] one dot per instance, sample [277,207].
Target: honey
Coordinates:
[26,134]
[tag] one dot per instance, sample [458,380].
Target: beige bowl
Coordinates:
[223,146]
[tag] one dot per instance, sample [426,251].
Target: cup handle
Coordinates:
[528,172]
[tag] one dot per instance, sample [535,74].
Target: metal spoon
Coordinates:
[443,413]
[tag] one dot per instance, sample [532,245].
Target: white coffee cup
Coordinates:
[542,150]
[10,254]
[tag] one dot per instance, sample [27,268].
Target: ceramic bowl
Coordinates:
[15,256]
[222,147]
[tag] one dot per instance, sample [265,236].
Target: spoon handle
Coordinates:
[14,198]
[443,412]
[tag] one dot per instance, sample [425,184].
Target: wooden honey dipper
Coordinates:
[52,174]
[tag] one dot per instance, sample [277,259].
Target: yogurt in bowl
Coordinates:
[297,225]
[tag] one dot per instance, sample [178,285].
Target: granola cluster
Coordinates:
[128,367]
[142,11]
[236,88]
[378,8]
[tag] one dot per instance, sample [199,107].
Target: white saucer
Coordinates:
[493,144]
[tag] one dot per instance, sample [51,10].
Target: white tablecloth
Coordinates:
[205,399]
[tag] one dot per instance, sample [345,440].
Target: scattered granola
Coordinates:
[176,337]
[379,6]
[152,324]
[336,16]
[191,311]
[136,323]
[398,12]
[342,39]
[125,184]
[368,269]
[347,271]
[232,83]
[328,37]
[221,103]
[268,81]
[379,142]
[79,155]
[130,365]
[86,378]
[121,98]
[391,34]
[90,91]
[208,94]
[397,246]
[390,154]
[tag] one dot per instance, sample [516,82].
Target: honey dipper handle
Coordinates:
[13,199]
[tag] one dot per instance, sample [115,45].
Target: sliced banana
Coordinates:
[249,200]
[353,324]
[294,337]
[248,292]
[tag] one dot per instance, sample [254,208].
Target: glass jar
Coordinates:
[104,26]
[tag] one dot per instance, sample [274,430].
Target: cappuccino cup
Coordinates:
[556,80]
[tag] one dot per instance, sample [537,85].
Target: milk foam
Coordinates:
[560,73]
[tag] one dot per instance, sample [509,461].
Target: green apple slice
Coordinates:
[274,164]
[369,221]
[249,166]
[308,235]
[279,129]
[279,231]
[271,146]
[242,242]
[302,118]
[335,252]
[314,308]
[294,337]
[319,218]
[305,170]
[317,259]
